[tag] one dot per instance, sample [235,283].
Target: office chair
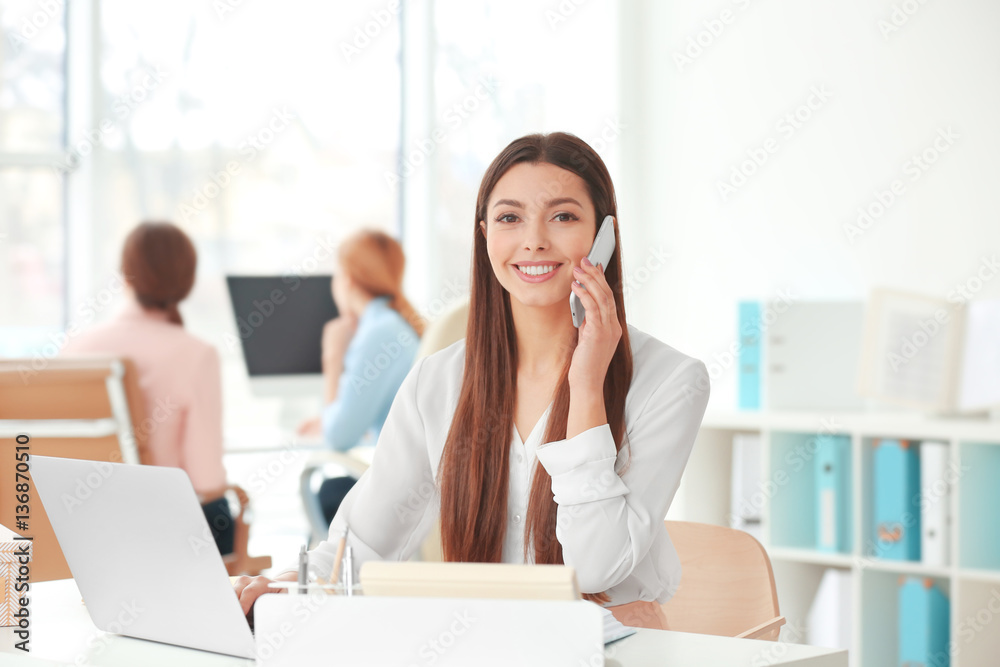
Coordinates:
[727,585]
[84,408]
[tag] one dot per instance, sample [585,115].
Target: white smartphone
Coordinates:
[600,253]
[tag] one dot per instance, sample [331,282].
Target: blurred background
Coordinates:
[761,151]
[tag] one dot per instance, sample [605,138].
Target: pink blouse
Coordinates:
[181,379]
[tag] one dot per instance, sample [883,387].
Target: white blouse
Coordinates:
[610,525]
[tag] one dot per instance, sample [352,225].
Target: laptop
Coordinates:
[142,554]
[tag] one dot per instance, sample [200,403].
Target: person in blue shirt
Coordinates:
[367,350]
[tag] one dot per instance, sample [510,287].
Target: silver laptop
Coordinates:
[142,554]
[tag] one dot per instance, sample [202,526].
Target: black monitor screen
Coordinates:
[280,321]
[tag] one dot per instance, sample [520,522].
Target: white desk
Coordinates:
[62,633]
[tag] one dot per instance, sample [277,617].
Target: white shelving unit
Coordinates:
[972,578]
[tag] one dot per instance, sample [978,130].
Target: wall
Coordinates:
[885,81]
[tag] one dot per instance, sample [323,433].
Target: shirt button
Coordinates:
[520,458]
[517,518]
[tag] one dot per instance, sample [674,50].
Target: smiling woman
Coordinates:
[542,442]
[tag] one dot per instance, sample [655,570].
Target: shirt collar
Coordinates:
[133,310]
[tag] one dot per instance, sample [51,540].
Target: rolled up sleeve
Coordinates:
[606,522]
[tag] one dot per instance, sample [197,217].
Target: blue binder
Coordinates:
[833,493]
[923,624]
[897,500]
[749,355]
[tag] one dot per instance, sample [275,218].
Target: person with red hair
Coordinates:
[532,440]
[179,374]
[367,350]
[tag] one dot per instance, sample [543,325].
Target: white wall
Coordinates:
[688,126]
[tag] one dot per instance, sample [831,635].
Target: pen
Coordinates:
[303,569]
[340,556]
[349,571]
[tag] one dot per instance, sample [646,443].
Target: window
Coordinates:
[32,122]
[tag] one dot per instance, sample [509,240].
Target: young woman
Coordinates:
[179,374]
[367,350]
[532,440]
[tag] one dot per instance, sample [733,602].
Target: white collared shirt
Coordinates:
[609,522]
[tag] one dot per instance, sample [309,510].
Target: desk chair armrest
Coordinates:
[764,629]
[353,466]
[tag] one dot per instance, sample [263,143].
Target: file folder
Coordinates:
[745,493]
[897,500]
[749,355]
[935,496]
[833,499]
[923,624]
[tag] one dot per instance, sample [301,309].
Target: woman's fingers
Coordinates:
[248,589]
[597,289]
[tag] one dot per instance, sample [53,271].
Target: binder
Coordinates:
[746,496]
[830,621]
[923,624]
[749,336]
[897,500]
[833,492]
[935,496]
[811,353]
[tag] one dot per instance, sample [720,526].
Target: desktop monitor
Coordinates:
[279,320]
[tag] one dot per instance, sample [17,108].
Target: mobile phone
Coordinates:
[600,253]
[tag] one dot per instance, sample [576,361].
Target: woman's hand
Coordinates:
[248,589]
[598,335]
[337,335]
[311,428]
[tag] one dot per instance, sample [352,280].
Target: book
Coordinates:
[936,355]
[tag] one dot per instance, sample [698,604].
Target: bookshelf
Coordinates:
[971,579]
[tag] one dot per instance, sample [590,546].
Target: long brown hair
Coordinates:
[159,262]
[475,465]
[375,261]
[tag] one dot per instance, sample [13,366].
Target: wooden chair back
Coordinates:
[727,585]
[72,408]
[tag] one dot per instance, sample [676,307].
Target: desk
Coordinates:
[62,633]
